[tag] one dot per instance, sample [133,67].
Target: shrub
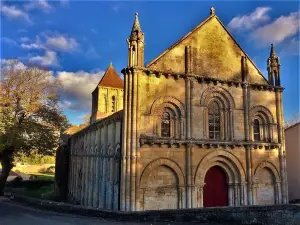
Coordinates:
[34,158]
[51,169]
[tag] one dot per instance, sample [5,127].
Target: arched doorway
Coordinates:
[215,191]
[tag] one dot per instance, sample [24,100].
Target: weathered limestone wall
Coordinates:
[214,52]
[94,168]
[105,105]
[170,171]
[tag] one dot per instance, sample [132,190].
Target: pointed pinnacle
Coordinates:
[136,25]
[272,52]
[212,11]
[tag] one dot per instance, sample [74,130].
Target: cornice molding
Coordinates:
[152,140]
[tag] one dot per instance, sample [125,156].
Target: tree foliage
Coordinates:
[30,116]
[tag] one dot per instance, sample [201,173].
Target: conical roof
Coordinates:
[111,78]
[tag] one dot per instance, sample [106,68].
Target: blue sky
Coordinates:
[78,39]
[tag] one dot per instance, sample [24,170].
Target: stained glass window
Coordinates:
[165,125]
[214,121]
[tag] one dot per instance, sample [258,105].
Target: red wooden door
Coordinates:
[216,188]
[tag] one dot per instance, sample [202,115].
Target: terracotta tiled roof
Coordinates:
[111,78]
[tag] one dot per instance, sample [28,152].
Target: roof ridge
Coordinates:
[111,78]
[241,49]
[212,15]
[181,39]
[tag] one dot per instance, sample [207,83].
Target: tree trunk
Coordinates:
[7,164]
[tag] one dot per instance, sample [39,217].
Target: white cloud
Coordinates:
[10,63]
[12,12]
[8,41]
[77,89]
[249,21]
[279,30]
[49,59]
[57,42]
[61,42]
[39,4]
[37,44]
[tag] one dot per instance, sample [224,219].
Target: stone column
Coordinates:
[96,196]
[188,107]
[182,197]
[254,192]
[236,197]
[82,179]
[123,177]
[231,124]
[230,194]
[191,104]
[200,196]
[181,128]
[282,160]
[133,178]
[86,183]
[188,177]
[249,173]
[194,196]
[101,206]
[278,193]
[89,180]
[128,151]
[175,127]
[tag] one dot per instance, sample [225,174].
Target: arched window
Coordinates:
[214,120]
[105,103]
[256,130]
[165,125]
[113,103]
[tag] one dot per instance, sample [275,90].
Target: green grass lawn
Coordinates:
[37,191]
[43,176]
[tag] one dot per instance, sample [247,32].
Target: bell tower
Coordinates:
[136,45]
[273,68]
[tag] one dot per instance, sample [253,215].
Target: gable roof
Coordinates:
[111,78]
[193,31]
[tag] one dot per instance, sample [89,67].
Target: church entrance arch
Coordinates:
[216,188]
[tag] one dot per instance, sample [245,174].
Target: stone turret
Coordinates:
[273,67]
[136,45]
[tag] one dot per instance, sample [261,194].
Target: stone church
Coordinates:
[198,126]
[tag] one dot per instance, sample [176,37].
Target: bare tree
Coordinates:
[293,120]
[30,118]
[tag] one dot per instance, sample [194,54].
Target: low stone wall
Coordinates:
[255,215]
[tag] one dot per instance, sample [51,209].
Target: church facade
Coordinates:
[198,126]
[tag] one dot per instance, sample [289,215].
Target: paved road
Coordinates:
[11,214]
